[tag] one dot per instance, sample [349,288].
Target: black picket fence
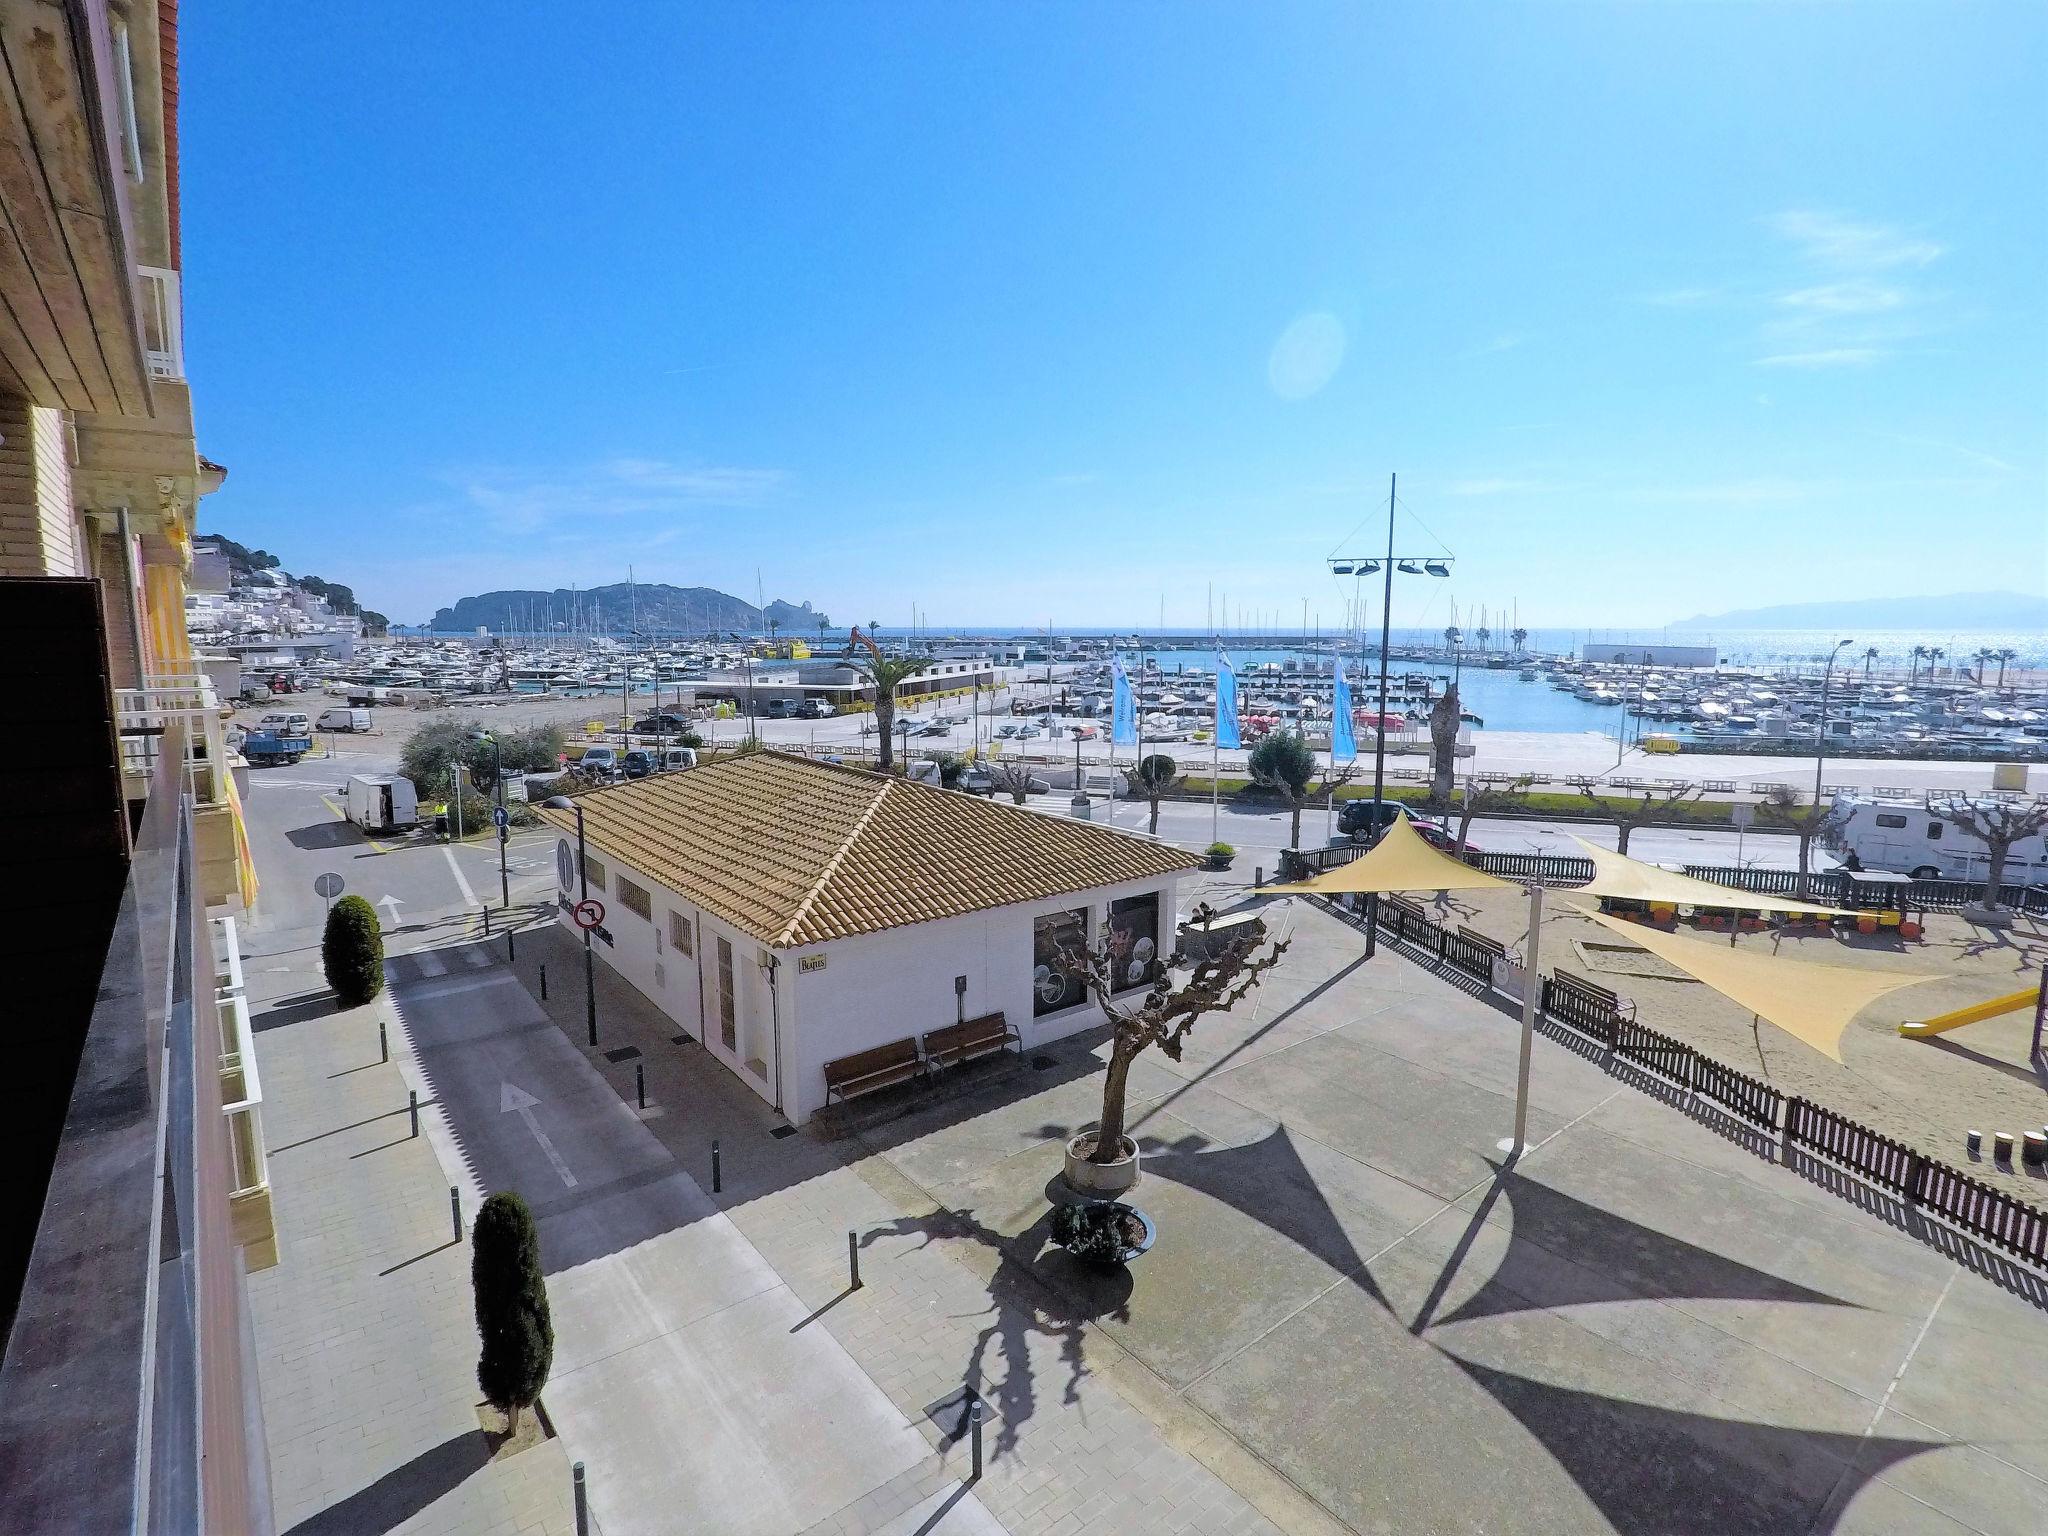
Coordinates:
[1964,1202]
[1828,888]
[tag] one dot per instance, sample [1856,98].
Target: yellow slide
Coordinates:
[2012,1002]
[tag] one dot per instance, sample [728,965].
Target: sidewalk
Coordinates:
[365,1336]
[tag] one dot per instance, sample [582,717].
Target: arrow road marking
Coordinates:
[393,903]
[517,1101]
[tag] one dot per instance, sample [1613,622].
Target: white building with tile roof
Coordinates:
[789,914]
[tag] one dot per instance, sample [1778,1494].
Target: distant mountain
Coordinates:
[647,606]
[1959,610]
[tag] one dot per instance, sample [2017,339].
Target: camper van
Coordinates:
[1904,836]
[382,802]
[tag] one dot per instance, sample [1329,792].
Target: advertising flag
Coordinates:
[1226,703]
[1343,741]
[1123,709]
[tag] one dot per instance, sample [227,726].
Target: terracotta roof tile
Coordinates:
[795,852]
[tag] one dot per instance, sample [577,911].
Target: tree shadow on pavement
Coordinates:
[404,1491]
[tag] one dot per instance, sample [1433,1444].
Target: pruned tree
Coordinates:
[1012,779]
[1998,824]
[514,1328]
[1443,745]
[1216,983]
[1484,800]
[1155,777]
[1627,814]
[1781,808]
[885,674]
[1283,763]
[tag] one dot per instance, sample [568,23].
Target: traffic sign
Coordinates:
[565,864]
[499,817]
[329,885]
[588,913]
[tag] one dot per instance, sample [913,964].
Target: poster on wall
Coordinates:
[1054,988]
[1134,940]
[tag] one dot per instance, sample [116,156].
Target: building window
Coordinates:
[634,899]
[1890,821]
[727,1033]
[594,871]
[1134,941]
[1054,987]
[680,934]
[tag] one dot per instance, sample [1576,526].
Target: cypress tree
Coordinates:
[516,1335]
[352,952]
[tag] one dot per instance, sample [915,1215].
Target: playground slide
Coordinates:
[2012,1002]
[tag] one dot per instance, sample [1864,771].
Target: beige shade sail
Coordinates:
[1399,861]
[1618,875]
[1811,1002]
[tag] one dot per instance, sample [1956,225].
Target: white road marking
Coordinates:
[517,1101]
[392,902]
[468,896]
[431,962]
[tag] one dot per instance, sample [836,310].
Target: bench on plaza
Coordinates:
[969,1041]
[1478,940]
[1613,1002]
[865,1071]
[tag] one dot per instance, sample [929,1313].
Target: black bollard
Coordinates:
[512,945]
[455,1210]
[543,983]
[974,1424]
[487,922]
[582,1500]
[383,1042]
[853,1259]
[412,1099]
[716,1183]
[640,1082]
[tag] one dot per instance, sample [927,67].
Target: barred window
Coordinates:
[594,871]
[681,935]
[634,899]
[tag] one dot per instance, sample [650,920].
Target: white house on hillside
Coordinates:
[790,914]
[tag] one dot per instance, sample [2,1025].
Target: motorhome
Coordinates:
[382,802]
[1905,836]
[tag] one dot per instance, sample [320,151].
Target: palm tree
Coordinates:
[1452,635]
[1934,654]
[823,625]
[1869,660]
[1520,636]
[1485,635]
[1984,658]
[773,625]
[886,674]
[1919,655]
[2002,656]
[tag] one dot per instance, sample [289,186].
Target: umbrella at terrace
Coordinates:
[1812,1003]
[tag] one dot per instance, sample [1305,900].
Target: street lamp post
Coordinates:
[1820,735]
[1079,805]
[498,769]
[564,803]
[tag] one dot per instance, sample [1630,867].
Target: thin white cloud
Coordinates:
[1832,240]
[1825,357]
[1850,298]
[1685,298]
[523,499]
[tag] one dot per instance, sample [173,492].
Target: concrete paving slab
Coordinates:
[1977,1485]
[735,1423]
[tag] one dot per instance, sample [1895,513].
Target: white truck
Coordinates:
[1905,837]
[382,802]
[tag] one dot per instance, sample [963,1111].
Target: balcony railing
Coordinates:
[186,699]
[163,322]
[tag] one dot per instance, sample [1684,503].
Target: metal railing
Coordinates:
[163,322]
[241,1088]
[143,716]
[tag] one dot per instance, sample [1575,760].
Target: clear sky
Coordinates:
[1046,313]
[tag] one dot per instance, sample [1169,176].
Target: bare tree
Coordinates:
[1012,779]
[1155,777]
[1478,800]
[1782,808]
[1443,745]
[1998,824]
[1163,1017]
[1628,814]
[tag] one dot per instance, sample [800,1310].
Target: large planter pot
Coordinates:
[1988,917]
[1132,1245]
[1100,1180]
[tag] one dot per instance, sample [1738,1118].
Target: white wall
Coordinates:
[874,989]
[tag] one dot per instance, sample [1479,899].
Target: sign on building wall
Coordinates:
[811,963]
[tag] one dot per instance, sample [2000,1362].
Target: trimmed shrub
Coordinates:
[352,952]
[476,816]
[515,1333]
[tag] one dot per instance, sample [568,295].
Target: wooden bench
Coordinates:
[864,1071]
[1478,940]
[958,1043]
[1613,1002]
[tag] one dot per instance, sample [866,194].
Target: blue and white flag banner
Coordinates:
[1123,710]
[1343,741]
[1226,703]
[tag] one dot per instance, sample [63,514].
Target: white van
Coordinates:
[672,758]
[344,720]
[382,802]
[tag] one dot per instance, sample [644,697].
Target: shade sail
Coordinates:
[1399,861]
[1618,875]
[1811,1002]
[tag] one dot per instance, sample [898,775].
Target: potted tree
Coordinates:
[1103,1161]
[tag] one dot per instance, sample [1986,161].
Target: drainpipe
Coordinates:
[775,1024]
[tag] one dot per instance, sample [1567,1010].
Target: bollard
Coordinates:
[383,1042]
[640,1082]
[853,1259]
[543,982]
[487,922]
[2034,1149]
[716,1184]
[413,1103]
[1258,876]
[582,1500]
[974,1425]
[2002,1144]
[455,1210]
[512,945]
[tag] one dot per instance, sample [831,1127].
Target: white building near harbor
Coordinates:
[788,913]
[1659,655]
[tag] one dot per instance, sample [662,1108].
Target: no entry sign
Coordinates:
[588,913]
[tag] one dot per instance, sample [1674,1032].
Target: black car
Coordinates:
[638,763]
[1355,816]
[660,724]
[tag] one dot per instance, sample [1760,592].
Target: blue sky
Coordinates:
[1048,313]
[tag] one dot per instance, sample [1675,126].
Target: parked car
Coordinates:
[781,709]
[638,763]
[1356,818]
[344,720]
[289,724]
[675,758]
[661,723]
[266,749]
[815,709]
[599,762]
[980,779]
[382,802]
[936,728]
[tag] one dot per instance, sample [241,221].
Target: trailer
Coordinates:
[382,802]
